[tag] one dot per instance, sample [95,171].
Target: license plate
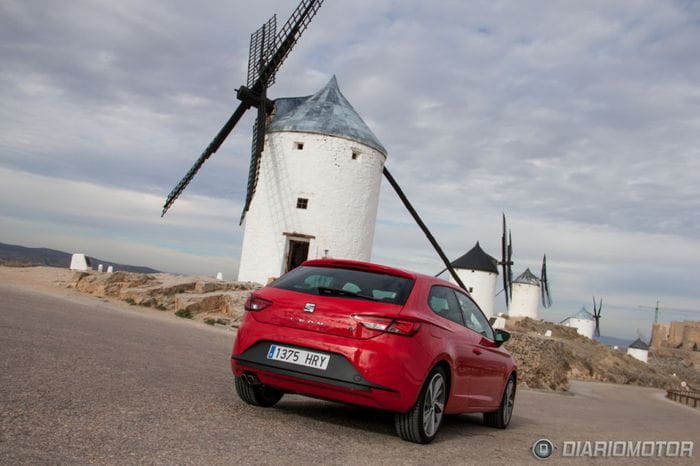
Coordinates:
[298,356]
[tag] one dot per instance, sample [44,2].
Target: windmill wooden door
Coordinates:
[298,252]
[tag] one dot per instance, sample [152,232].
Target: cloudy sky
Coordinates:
[579,120]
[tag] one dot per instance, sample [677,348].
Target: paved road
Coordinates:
[86,381]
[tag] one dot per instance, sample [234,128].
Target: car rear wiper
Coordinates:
[336,292]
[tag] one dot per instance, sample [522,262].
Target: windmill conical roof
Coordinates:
[582,314]
[325,112]
[476,259]
[528,278]
[639,344]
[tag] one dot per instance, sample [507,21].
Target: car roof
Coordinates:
[372,267]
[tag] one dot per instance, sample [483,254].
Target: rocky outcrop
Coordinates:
[549,362]
[202,297]
[542,362]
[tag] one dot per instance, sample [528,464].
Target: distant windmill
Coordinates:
[584,322]
[597,309]
[479,272]
[639,349]
[528,291]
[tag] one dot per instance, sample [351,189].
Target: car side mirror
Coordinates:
[500,336]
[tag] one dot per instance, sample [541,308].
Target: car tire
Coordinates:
[421,423]
[258,394]
[501,418]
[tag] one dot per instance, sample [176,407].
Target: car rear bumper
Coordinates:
[384,372]
[339,374]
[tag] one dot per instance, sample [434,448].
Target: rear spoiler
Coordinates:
[359,265]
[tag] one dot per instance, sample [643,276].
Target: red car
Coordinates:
[375,336]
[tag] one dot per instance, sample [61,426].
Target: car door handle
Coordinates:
[476,351]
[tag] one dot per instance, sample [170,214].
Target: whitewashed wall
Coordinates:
[637,353]
[525,301]
[343,196]
[483,288]
[583,326]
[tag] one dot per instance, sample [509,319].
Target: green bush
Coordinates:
[210,321]
[130,301]
[184,313]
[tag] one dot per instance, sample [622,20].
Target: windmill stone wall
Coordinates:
[337,175]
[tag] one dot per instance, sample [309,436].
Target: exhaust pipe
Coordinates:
[251,379]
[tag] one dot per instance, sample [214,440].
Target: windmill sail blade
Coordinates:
[423,227]
[262,46]
[287,37]
[597,309]
[268,50]
[255,156]
[507,273]
[211,149]
[543,280]
[544,284]
[510,265]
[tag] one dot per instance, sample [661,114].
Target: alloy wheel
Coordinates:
[509,402]
[433,405]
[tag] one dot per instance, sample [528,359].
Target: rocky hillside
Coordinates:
[543,362]
[549,362]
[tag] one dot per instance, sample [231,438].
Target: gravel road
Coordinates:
[88,381]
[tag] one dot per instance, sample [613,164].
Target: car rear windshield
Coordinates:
[347,283]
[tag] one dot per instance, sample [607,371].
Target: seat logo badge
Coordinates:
[309,307]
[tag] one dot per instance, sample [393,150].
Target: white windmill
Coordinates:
[584,322]
[315,166]
[639,350]
[528,291]
[318,187]
[479,273]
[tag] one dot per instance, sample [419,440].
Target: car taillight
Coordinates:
[253,303]
[388,324]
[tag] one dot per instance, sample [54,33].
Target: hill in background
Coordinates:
[13,255]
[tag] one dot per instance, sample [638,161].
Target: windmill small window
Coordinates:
[355,154]
[302,203]
[299,145]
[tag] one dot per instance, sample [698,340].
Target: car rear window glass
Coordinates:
[474,318]
[347,283]
[443,302]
